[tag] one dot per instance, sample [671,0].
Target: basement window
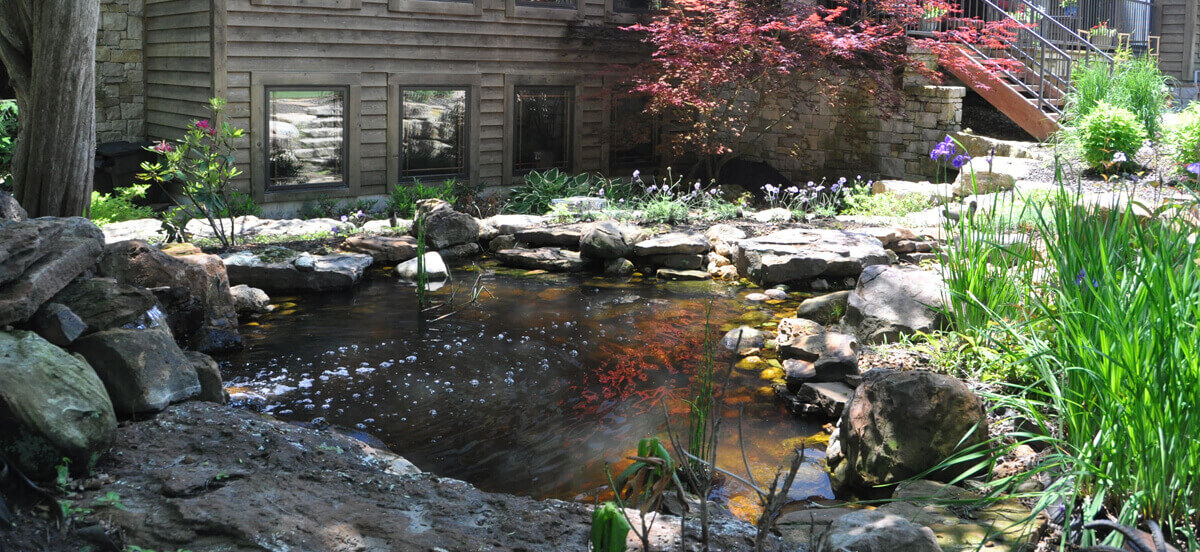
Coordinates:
[433,132]
[543,128]
[307,127]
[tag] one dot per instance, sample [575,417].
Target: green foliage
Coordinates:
[402,201]
[110,500]
[1184,137]
[1108,131]
[609,529]
[534,196]
[1112,336]
[119,206]
[203,162]
[1135,84]
[8,136]
[862,202]
[644,483]
[321,207]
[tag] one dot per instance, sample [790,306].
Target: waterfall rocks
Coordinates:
[889,302]
[278,269]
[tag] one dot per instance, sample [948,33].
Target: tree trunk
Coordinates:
[49,48]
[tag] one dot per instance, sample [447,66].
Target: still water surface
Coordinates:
[530,391]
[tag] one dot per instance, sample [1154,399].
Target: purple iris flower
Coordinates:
[960,161]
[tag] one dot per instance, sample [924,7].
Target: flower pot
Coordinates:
[929,25]
[1103,42]
[1071,11]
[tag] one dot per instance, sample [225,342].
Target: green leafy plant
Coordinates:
[609,529]
[862,202]
[1110,137]
[644,485]
[1184,136]
[203,163]
[402,200]
[8,138]
[110,499]
[533,197]
[119,206]
[1134,83]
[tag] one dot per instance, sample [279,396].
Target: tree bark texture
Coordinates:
[49,48]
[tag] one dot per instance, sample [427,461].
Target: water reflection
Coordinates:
[530,393]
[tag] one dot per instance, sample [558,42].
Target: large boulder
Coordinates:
[104,304]
[384,249]
[875,531]
[278,269]
[989,175]
[58,261]
[604,240]
[890,301]
[192,288]
[435,268]
[212,388]
[143,370]
[444,226]
[824,309]
[22,245]
[55,396]
[900,424]
[551,259]
[801,254]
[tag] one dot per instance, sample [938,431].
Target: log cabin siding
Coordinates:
[492,49]
[179,66]
[1179,27]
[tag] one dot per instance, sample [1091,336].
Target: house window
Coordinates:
[433,132]
[307,127]
[634,136]
[548,3]
[632,6]
[543,137]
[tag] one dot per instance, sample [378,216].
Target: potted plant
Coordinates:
[1026,17]
[1070,7]
[932,14]
[1103,36]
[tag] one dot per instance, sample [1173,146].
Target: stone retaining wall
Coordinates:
[120,72]
[860,138]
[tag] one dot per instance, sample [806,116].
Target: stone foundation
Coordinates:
[120,72]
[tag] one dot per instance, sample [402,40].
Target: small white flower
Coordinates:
[1119,157]
[345,218]
[636,174]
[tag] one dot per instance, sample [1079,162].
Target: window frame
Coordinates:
[524,9]
[656,141]
[624,17]
[401,81]
[512,85]
[439,7]
[321,4]
[260,144]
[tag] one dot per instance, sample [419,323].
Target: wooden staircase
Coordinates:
[1034,95]
[1036,112]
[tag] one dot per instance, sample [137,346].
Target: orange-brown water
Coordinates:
[532,391]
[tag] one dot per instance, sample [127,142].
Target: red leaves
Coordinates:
[718,65]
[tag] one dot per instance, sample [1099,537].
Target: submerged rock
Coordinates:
[900,424]
[249,300]
[618,267]
[275,269]
[674,274]
[55,396]
[802,254]
[742,337]
[543,258]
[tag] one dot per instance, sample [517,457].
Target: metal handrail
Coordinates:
[1072,32]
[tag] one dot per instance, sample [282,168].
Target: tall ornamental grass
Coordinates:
[1111,325]
[1135,83]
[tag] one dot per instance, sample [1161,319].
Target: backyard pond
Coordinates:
[530,391]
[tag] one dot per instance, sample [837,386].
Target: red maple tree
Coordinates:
[726,71]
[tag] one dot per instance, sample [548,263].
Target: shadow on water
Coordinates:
[530,392]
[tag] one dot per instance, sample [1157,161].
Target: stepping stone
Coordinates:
[674,274]
[551,259]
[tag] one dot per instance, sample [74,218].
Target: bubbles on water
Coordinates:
[432,412]
[474,383]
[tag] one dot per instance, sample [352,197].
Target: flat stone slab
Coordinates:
[552,236]
[804,254]
[677,274]
[22,296]
[251,226]
[275,269]
[385,226]
[511,224]
[149,230]
[543,258]
[384,249]
[674,243]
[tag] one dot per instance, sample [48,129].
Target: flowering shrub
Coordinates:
[1107,131]
[1184,137]
[203,163]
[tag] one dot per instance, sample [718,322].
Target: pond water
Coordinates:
[530,391]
